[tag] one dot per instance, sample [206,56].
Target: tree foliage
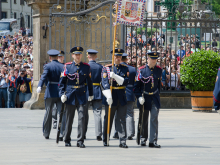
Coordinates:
[198,71]
[215,5]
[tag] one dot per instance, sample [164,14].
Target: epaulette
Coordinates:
[86,63]
[68,63]
[108,65]
[158,66]
[142,67]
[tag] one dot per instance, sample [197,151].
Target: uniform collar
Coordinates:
[76,63]
[149,67]
[123,63]
[117,65]
[92,61]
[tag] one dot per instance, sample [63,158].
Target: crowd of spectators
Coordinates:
[16,69]
[169,59]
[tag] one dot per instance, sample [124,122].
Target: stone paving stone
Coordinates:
[186,138]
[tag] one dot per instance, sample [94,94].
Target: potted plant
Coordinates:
[198,73]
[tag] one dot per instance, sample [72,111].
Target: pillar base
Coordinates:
[37,99]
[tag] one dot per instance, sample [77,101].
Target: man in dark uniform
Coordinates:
[130,125]
[148,82]
[51,74]
[96,70]
[54,112]
[61,57]
[119,73]
[216,92]
[73,94]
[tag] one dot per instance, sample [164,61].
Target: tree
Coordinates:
[215,5]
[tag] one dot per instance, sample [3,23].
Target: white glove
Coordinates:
[117,78]
[141,100]
[63,98]
[109,101]
[90,98]
[38,89]
[107,93]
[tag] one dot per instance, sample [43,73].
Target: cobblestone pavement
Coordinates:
[186,137]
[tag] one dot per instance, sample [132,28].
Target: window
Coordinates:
[15,15]
[29,21]
[156,7]
[21,2]
[4,14]
[15,1]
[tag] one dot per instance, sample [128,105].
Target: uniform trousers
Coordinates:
[54,114]
[49,104]
[120,121]
[154,112]
[130,124]
[70,113]
[97,112]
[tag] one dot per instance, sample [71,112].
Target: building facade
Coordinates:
[17,9]
[152,8]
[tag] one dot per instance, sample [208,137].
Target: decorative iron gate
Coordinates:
[163,32]
[86,23]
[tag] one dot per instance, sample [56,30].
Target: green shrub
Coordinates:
[149,32]
[198,71]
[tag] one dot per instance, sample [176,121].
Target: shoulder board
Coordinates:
[108,65]
[68,63]
[124,65]
[86,63]
[142,67]
[158,67]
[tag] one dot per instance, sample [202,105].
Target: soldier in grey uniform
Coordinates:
[96,70]
[73,94]
[54,112]
[117,98]
[148,80]
[130,125]
[51,73]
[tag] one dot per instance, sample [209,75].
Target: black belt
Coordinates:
[150,93]
[79,86]
[51,82]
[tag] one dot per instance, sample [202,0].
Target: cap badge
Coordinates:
[119,50]
[78,48]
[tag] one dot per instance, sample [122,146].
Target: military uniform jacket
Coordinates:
[73,81]
[216,92]
[130,87]
[151,77]
[51,77]
[96,70]
[117,94]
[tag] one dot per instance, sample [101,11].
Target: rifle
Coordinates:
[140,121]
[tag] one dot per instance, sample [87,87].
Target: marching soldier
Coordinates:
[51,74]
[119,73]
[61,57]
[73,94]
[54,112]
[96,70]
[130,125]
[216,92]
[148,82]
